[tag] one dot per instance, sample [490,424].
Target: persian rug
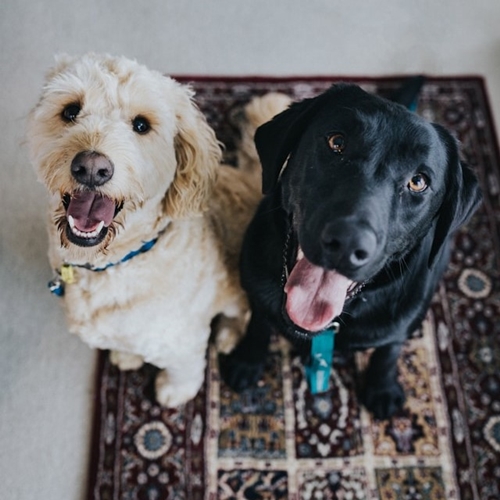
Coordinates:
[280,442]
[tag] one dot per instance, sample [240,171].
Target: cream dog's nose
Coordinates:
[91,168]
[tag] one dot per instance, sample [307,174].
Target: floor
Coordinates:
[46,375]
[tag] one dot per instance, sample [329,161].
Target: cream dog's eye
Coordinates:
[141,125]
[70,112]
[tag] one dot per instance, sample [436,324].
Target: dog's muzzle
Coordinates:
[89,213]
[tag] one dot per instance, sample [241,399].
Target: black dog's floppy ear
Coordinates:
[462,197]
[276,139]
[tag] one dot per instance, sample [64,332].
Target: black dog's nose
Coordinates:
[348,244]
[91,169]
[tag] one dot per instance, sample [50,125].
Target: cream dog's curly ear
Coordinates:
[198,156]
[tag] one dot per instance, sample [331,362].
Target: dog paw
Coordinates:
[228,332]
[125,360]
[239,374]
[383,401]
[226,339]
[170,395]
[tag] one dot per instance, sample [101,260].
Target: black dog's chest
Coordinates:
[366,322]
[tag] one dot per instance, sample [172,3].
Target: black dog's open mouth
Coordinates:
[315,296]
[89,215]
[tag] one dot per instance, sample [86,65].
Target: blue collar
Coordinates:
[65,275]
[147,246]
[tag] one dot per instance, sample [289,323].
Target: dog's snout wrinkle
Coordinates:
[91,169]
[348,244]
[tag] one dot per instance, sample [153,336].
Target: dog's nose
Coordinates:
[91,169]
[348,244]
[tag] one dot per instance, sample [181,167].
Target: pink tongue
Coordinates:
[88,209]
[314,295]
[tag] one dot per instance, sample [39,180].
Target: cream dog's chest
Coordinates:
[144,303]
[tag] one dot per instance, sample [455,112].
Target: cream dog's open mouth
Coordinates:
[89,215]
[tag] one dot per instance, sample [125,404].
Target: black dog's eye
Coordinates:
[70,112]
[418,183]
[336,143]
[141,125]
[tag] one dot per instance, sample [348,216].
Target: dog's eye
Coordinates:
[418,183]
[70,112]
[141,125]
[336,143]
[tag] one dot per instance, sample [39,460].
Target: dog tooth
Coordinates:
[300,254]
[84,234]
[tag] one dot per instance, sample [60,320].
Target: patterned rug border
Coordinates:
[184,78]
[96,420]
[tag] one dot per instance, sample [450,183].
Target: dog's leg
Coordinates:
[243,367]
[125,360]
[178,384]
[383,394]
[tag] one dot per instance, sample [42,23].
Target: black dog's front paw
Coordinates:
[239,373]
[383,400]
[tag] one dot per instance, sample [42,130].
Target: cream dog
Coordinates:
[145,224]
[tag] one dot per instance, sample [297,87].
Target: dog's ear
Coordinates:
[198,156]
[276,139]
[462,196]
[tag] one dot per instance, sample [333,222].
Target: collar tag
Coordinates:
[68,274]
[321,360]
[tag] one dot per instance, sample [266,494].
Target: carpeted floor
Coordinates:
[279,441]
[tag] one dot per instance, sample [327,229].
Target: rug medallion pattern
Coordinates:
[280,442]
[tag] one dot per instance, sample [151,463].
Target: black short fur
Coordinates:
[359,199]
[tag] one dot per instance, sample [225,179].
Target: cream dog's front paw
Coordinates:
[125,360]
[171,394]
[229,331]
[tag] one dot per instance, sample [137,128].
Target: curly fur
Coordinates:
[167,184]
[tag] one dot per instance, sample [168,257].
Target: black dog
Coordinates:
[362,197]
